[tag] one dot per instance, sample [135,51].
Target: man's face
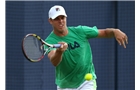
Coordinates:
[59,23]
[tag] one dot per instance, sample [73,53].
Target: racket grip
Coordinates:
[57,45]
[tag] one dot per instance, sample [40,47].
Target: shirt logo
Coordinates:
[72,46]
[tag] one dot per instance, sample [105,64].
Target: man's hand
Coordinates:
[63,46]
[121,37]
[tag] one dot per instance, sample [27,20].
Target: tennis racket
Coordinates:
[33,47]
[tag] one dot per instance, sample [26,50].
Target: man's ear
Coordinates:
[50,21]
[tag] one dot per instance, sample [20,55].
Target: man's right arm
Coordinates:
[55,56]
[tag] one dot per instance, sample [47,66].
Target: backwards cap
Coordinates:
[56,11]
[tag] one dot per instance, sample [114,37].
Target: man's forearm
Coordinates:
[56,57]
[106,33]
[120,36]
[110,32]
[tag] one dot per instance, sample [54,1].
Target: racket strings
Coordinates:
[33,47]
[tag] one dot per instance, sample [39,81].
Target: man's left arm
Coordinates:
[120,36]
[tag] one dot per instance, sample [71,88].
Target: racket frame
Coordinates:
[43,42]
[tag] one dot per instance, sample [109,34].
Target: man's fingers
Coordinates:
[123,43]
[65,44]
[119,42]
[126,41]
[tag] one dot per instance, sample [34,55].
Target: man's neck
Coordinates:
[61,33]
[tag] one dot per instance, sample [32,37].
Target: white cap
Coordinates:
[56,11]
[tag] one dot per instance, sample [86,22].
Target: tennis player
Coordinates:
[73,60]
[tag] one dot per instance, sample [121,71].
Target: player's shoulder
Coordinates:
[75,27]
[79,27]
[50,36]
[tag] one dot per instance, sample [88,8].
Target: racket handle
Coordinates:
[56,45]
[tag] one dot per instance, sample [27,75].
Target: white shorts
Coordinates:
[87,85]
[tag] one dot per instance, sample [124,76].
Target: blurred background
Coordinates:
[115,66]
